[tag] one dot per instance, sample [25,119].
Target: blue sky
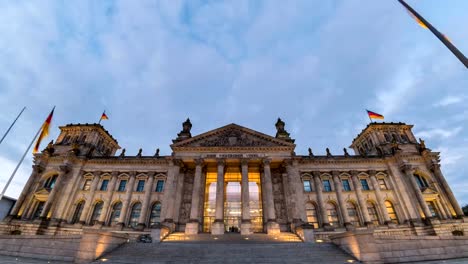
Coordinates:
[151,64]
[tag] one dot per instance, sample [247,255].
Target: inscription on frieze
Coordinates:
[232,156]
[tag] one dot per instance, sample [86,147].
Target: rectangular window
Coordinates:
[307,186]
[382,184]
[326,186]
[346,186]
[365,185]
[87,185]
[122,185]
[104,185]
[159,186]
[140,186]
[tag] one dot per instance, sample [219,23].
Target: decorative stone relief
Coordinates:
[278,197]
[184,213]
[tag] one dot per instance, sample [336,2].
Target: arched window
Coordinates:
[155,216]
[374,217]
[96,213]
[391,212]
[50,182]
[77,213]
[353,214]
[387,137]
[115,214]
[66,139]
[332,215]
[311,214]
[421,181]
[135,215]
[404,138]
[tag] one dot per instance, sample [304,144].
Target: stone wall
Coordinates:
[421,248]
[95,244]
[369,247]
[58,248]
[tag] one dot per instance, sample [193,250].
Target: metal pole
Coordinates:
[19,164]
[8,130]
[441,37]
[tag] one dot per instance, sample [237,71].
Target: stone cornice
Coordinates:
[89,127]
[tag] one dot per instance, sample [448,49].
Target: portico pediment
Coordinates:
[232,137]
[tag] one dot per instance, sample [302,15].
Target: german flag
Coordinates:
[373,115]
[44,131]
[104,116]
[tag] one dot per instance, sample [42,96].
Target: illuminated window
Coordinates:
[332,214]
[353,214]
[87,185]
[382,184]
[311,213]
[159,186]
[365,185]
[135,215]
[391,212]
[374,217]
[140,186]
[96,212]
[115,215]
[307,186]
[77,213]
[104,185]
[346,186]
[326,186]
[155,216]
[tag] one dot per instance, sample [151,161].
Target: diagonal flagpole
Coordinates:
[439,35]
[21,161]
[8,130]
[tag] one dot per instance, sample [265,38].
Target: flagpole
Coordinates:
[8,130]
[439,35]
[101,117]
[21,161]
[19,164]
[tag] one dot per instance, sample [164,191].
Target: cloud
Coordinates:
[449,100]
[439,132]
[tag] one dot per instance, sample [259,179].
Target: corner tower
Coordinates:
[385,138]
[85,139]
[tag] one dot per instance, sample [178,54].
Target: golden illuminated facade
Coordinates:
[234,179]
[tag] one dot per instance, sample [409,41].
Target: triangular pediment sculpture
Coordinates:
[429,190]
[233,136]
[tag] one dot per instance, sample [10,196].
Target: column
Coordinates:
[192,226]
[146,201]
[108,202]
[361,201]
[37,169]
[378,196]
[126,201]
[246,225]
[89,204]
[63,170]
[339,195]
[448,191]
[217,228]
[409,171]
[321,203]
[167,211]
[443,200]
[273,227]
[298,201]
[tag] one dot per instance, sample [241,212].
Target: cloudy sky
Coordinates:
[151,64]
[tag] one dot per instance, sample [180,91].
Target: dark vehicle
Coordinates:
[145,239]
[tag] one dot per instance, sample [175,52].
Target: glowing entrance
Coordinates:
[232,200]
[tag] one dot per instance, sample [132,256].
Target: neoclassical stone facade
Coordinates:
[234,179]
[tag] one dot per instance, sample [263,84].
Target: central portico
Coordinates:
[232,184]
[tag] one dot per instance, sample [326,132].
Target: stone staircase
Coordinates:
[228,248]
